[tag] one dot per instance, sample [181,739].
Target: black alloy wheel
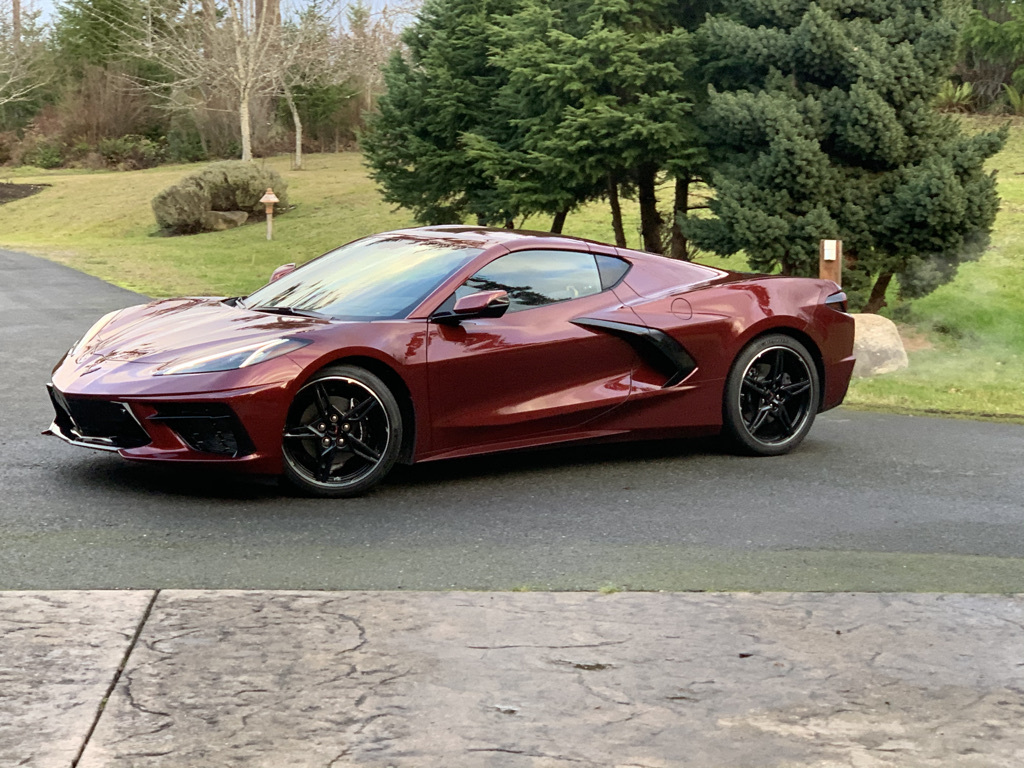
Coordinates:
[771,396]
[343,433]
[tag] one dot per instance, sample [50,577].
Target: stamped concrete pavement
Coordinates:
[545,680]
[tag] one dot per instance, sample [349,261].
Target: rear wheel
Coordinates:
[771,396]
[343,433]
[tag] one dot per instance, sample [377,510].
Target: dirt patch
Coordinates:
[9,192]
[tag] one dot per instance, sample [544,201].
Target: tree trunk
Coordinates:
[209,25]
[298,127]
[651,222]
[680,248]
[613,202]
[559,221]
[510,224]
[16,22]
[246,127]
[877,299]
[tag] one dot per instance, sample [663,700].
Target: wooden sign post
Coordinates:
[830,261]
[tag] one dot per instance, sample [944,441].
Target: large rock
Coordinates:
[877,346]
[218,221]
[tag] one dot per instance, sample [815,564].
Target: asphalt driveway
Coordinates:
[870,502]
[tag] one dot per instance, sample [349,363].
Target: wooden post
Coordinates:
[268,200]
[830,261]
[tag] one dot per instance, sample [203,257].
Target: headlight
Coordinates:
[239,357]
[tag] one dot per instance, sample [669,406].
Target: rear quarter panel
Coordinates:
[714,321]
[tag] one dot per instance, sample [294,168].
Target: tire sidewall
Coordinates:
[733,426]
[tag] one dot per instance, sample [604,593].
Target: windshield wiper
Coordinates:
[292,312]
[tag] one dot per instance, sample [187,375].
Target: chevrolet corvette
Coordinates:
[439,342]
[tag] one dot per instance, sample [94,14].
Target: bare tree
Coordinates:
[368,41]
[208,52]
[212,52]
[20,74]
[308,56]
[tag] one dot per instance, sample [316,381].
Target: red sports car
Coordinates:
[438,342]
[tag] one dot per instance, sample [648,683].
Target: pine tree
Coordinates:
[823,127]
[441,90]
[598,95]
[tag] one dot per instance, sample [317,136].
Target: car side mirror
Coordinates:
[483,304]
[284,269]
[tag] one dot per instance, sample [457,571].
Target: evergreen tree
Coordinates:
[820,113]
[95,32]
[441,90]
[599,95]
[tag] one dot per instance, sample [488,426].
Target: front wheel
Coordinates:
[343,433]
[771,396]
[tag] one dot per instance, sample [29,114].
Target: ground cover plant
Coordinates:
[968,336]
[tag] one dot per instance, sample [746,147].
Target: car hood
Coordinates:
[174,330]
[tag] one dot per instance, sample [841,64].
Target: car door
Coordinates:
[532,371]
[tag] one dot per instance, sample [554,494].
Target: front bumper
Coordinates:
[237,427]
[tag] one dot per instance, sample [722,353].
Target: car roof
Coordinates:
[485,237]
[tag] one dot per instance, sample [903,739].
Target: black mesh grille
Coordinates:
[98,420]
[206,427]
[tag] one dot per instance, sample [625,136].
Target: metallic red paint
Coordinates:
[477,385]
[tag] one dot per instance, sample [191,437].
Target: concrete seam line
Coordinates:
[117,676]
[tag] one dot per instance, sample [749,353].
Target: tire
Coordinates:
[771,397]
[343,433]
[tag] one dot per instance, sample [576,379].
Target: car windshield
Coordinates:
[377,278]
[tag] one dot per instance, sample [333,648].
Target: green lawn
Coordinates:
[971,331]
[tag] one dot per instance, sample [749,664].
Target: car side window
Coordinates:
[535,278]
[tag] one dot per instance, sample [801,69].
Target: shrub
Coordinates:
[955,98]
[131,152]
[228,186]
[179,209]
[234,185]
[185,146]
[1015,99]
[45,153]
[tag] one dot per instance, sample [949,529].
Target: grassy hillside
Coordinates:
[968,337]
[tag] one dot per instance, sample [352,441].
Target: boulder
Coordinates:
[218,221]
[877,346]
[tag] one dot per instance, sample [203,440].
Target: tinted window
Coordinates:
[536,278]
[612,270]
[377,278]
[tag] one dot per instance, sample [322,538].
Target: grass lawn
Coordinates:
[967,356]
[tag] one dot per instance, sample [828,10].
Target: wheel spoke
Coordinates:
[325,464]
[782,415]
[361,449]
[778,367]
[794,389]
[756,386]
[323,403]
[759,420]
[303,432]
[360,411]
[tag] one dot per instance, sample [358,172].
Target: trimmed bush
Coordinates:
[232,185]
[180,209]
